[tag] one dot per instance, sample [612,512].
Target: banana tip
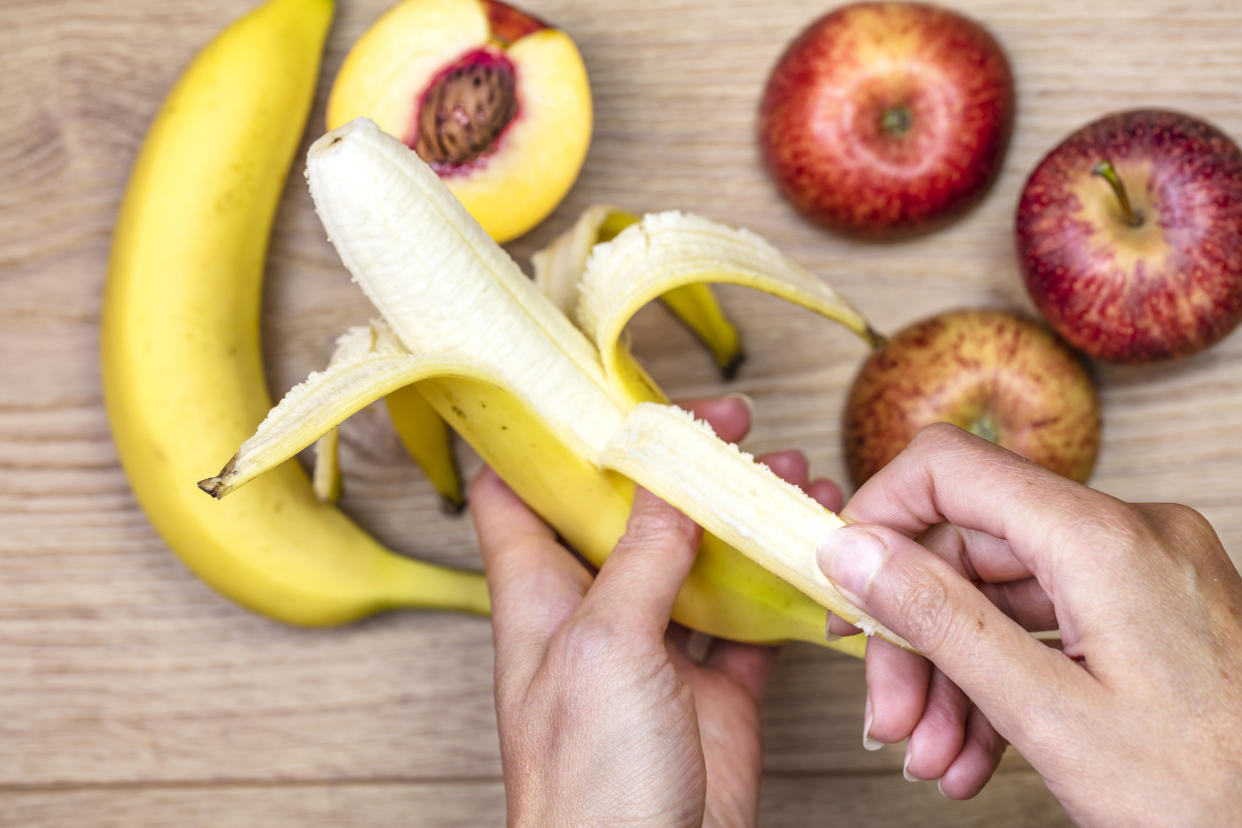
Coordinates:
[728,370]
[332,138]
[213,486]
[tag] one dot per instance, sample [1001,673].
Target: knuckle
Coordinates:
[585,646]
[1187,537]
[655,524]
[1115,528]
[926,610]
[940,719]
[1180,520]
[937,437]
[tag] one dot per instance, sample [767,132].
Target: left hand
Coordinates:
[604,716]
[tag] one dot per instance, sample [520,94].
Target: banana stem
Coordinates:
[430,586]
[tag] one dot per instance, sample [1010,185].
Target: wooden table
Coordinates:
[132,695]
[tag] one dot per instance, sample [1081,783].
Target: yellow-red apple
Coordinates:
[995,373]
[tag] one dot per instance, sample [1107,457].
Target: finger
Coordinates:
[977,555]
[1047,520]
[747,665]
[729,417]
[827,493]
[686,648]
[1025,602]
[790,466]
[974,765]
[937,738]
[897,690]
[838,626]
[1007,582]
[533,581]
[923,599]
[678,636]
[637,585]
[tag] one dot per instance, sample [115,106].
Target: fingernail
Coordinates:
[905,767]
[829,635]
[868,742]
[850,558]
[940,787]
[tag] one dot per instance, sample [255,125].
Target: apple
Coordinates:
[887,119]
[995,373]
[1130,236]
[494,99]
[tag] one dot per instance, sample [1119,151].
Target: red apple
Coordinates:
[1130,236]
[887,119]
[995,373]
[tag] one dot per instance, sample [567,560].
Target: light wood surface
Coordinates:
[131,695]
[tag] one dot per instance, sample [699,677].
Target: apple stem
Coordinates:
[896,120]
[984,426]
[1106,171]
[875,339]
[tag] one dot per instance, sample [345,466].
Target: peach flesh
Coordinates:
[465,111]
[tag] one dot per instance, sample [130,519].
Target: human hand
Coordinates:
[604,716]
[1137,720]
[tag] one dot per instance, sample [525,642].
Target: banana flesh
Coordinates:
[558,415]
[180,348]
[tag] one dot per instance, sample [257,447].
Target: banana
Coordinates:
[563,413]
[180,350]
[559,268]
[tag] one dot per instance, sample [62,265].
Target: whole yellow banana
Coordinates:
[181,360]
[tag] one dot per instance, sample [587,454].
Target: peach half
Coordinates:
[493,98]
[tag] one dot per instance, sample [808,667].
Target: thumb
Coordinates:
[1008,674]
[638,583]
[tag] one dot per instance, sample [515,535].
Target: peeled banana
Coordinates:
[181,361]
[562,411]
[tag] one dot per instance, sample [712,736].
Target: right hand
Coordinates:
[962,547]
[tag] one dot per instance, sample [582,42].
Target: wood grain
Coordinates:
[130,694]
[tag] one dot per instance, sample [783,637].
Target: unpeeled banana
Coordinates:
[561,410]
[180,350]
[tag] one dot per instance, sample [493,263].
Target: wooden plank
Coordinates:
[1015,800]
[463,804]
